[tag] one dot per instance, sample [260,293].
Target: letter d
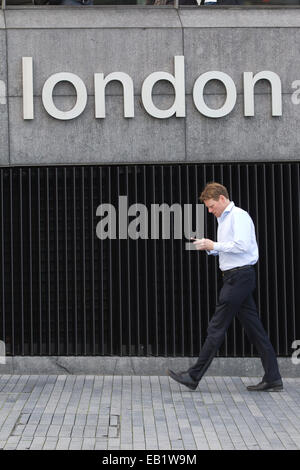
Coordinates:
[177,81]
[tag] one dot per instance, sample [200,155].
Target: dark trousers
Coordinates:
[236,299]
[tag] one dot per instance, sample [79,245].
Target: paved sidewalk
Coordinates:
[145,412]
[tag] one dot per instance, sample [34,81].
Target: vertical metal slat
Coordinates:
[283,299]
[83,258]
[92,261]
[2,260]
[102,337]
[275,259]
[21,263]
[156,342]
[75,266]
[292,256]
[163,268]
[57,334]
[189,274]
[12,265]
[146,303]
[129,303]
[66,336]
[120,278]
[181,290]
[39,263]
[137,273]
[172,271]
[31,343]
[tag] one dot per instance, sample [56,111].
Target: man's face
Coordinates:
[216,207]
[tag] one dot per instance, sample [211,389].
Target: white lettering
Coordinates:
[27,73]
[114,460]
[2,92]
[249,83]
[199,90]
[177,81]
[100,84]
[47,95]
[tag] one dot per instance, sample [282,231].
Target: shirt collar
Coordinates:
[226,210]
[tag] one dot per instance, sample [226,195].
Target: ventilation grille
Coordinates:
[63,291]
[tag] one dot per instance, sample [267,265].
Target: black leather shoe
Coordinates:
[183,378]
[266,387]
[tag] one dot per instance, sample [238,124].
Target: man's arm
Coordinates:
[205,244]
[241,238]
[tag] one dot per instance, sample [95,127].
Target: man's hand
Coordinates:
[203,243]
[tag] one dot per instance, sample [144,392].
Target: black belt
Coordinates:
[237,269]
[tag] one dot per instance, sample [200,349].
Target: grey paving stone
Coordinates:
[75,444]
[37,443]
[46,419]
[57,419]
[80,419]
[102,431]
[63,443]
[89,431]
[42,430]
[69,419]
[92,419]
[77,431]
[53,430]
[24,443]
[113,432]
[18,430]
[65,431]
[29,430]
[35,418]
[88,443]
[50,443]
[132,412]
[101,444]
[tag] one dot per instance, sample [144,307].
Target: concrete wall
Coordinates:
[139,41]
[112,365]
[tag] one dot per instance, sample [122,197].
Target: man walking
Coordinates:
[238,252]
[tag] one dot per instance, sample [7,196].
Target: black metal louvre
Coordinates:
[65,292]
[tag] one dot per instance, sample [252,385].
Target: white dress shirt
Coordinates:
[236,240]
